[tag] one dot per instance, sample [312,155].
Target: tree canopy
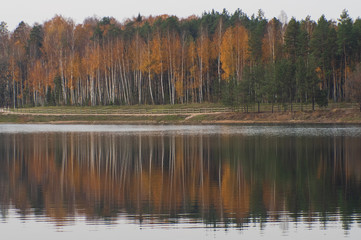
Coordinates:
[168,60]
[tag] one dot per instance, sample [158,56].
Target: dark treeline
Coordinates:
[225,57]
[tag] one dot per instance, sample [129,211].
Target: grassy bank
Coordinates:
[180,108]
[340,116]
[68,115]
[129,119]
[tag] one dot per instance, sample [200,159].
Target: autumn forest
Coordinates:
[217,57]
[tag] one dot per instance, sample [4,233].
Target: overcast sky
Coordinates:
[30,11]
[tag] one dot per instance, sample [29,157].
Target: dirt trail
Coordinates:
[191,115]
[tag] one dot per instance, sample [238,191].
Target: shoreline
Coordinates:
[332,116]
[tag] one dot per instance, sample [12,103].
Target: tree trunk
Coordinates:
[313,103]
[150,87]
[14,94]
[63,84]
[92,91]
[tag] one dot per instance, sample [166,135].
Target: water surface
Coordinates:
[271,182]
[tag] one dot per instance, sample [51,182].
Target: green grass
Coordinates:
[91,119]
[177,108]
[134,109]
[10,118]
[103,114]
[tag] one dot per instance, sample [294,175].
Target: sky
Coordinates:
[31,11]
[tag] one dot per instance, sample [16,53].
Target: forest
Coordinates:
[217,57]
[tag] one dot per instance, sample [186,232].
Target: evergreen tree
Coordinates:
[345,43]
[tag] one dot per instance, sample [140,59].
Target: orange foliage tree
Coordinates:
[234,52]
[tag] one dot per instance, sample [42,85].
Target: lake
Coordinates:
[178,182]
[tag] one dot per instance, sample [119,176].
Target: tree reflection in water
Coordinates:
[216,180]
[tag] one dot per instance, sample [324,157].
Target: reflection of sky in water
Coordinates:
[15,227]
[247,130]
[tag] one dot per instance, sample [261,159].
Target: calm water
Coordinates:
[180,182]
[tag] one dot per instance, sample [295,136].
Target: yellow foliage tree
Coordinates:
[234,52]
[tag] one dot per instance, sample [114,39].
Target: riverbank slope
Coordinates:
[340,116]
